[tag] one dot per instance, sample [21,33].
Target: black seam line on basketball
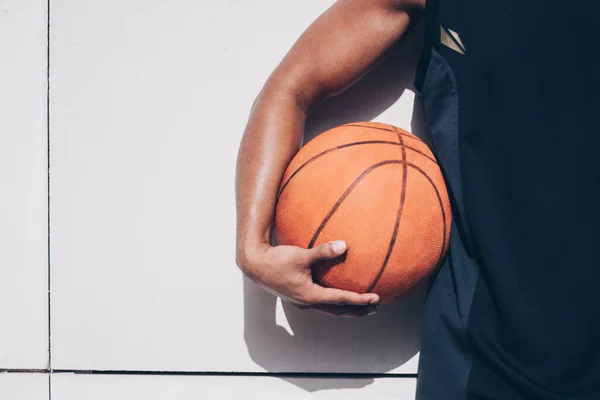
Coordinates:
[329,151]
[350,145]
[398,217]
[453,39]
[439,197]
[439,200]
[383,129]
[346,194]
[445,225]
[338,204]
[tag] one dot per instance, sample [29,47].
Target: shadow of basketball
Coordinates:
[325,344]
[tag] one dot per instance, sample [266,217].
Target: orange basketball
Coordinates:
[377,187]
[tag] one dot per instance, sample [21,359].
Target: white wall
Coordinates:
[22,386]
[148,101]
[23,185]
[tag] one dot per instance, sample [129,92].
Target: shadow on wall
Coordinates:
[321,343]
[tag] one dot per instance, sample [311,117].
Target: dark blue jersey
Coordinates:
[511,95]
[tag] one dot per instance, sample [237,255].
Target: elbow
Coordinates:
[296,91]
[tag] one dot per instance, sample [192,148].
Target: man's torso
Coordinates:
[510,94]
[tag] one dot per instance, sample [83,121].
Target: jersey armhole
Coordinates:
[431,32]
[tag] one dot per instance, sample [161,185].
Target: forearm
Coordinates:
[272,137]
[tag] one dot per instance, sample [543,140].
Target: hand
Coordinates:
[286,272]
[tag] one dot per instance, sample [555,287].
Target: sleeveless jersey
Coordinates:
[511,95]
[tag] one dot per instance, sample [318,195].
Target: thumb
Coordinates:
[328,250]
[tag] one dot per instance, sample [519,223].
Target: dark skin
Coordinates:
[339,47]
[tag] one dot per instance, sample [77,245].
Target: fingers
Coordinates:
[321,295]
[327,251]
[331,300]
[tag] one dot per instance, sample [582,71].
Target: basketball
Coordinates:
[378,188]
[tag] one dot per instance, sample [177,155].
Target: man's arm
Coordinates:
[342,45]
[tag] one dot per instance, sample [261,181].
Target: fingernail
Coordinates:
[374,300]
[338,246]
